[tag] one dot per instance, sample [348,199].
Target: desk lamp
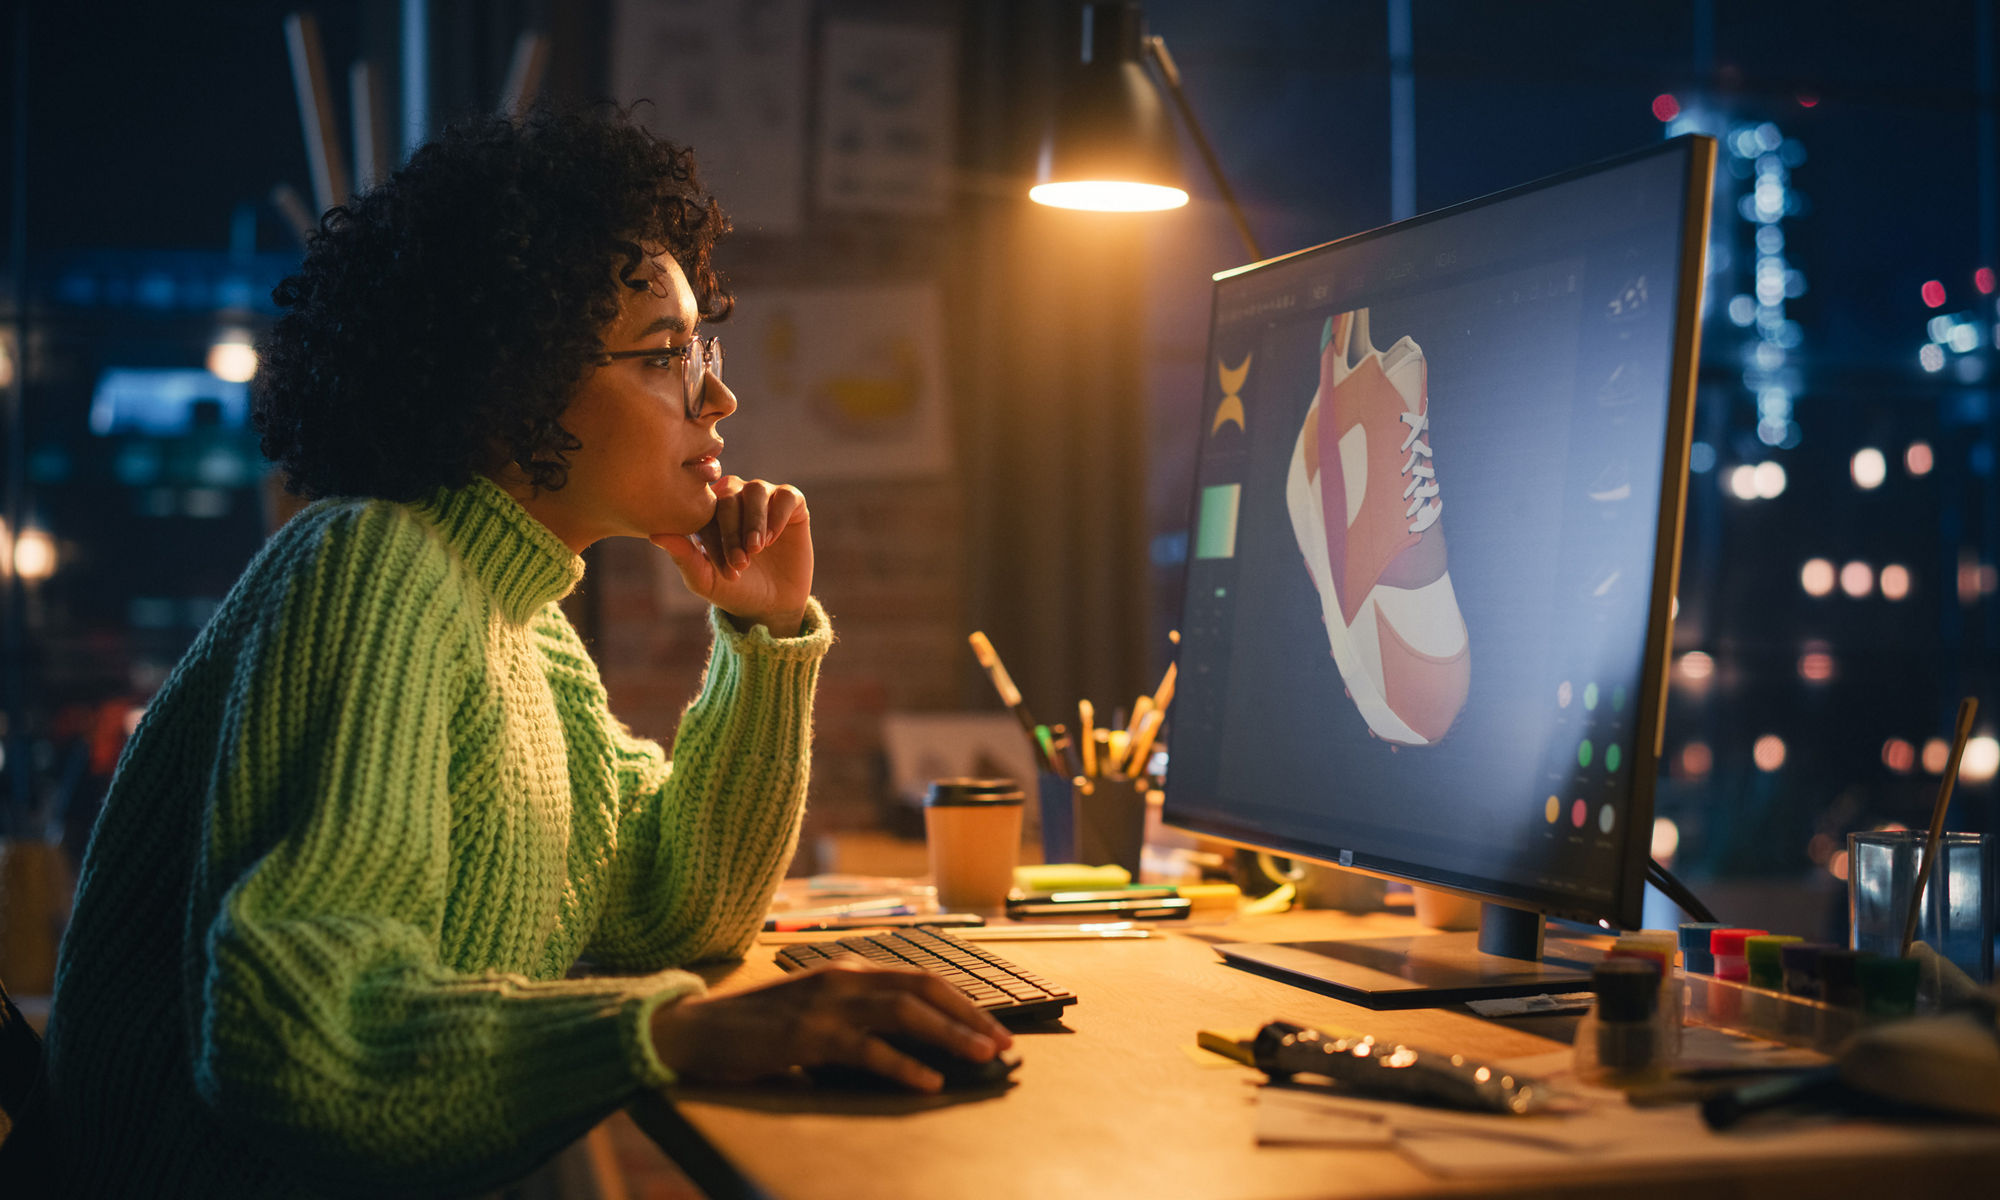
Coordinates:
[1110,148]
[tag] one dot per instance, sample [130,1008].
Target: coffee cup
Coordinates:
[973,830]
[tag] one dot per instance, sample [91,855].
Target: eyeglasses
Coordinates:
[696,361]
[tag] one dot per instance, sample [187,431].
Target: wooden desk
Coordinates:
[1113,1104]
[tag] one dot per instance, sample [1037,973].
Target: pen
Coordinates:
[1059,739]
[900,920]
[982,649]
[787,922]
[1051,933]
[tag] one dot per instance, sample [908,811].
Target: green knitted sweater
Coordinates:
[363,833]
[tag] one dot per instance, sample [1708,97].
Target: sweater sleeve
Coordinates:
[702,843]
[323,1026]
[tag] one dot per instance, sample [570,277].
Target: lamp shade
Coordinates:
[1111,146]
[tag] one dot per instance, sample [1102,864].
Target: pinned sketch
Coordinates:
[837,383]
[885,118]
[728,78]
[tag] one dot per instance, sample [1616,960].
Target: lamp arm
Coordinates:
[1170,77]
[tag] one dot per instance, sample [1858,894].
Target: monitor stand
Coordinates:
[1507,957]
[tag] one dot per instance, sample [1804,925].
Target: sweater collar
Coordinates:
[521,563]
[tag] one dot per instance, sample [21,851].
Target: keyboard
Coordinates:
[1010,993]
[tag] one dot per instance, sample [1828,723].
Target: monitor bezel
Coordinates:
[1626,906]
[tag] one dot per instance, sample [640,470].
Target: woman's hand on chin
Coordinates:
[754,558]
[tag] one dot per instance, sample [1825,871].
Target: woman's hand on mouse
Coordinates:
[754,558]
[831,1016]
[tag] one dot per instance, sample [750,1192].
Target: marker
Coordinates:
[1010,695]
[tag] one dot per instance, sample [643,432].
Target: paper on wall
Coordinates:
[728,78]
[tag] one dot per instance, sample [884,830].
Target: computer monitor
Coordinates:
[1436,524]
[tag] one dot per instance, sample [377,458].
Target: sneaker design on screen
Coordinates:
[1365,506]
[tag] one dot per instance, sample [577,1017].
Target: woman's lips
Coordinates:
[708,467]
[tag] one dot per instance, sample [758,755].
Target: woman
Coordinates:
[380,808]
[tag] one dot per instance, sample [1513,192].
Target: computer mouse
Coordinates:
[960,1074]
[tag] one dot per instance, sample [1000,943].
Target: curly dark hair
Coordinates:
[441,322]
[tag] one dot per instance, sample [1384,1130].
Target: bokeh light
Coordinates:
[1817,577]
[1665,107]
[1837,865]
[1898,755]
[232,358]
[34,555]
[1869,468]
[1742,482]
[1933,292]
[1768,752]
[1981,760]
[1895,581]
[1936,754]
[1917,458]
[1983,280]
[1696,760]
[1666,840]
[1857,579]
[1931,357]
[1696,665]
[1815,666]
[1975,578]
[1770,480]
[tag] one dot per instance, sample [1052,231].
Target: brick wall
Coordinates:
[889,565]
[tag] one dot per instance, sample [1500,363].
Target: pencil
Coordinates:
[1164,694]
[1140,707]
[1143,744]
[1087,737]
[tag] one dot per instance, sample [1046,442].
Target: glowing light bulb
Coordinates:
[1108,195]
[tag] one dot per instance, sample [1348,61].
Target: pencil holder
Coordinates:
[1111,823]
[1058,818]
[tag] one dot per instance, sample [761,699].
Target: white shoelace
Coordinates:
[1423,477]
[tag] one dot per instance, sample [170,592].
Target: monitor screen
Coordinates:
[1434,531]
